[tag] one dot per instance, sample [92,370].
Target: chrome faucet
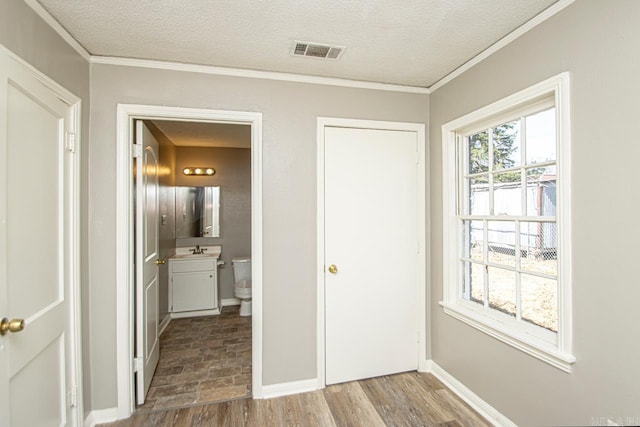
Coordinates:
[198,250]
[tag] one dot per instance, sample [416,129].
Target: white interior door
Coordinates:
[37,247]
[371,237]
[147,322]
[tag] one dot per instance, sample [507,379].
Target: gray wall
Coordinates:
[24,33]
[233,176]
[289,197]
[598,43]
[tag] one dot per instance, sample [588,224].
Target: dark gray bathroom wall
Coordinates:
[233,176]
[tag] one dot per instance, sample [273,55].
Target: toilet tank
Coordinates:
[241,268]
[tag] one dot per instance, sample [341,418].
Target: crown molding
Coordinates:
[55,25]
[206,69]
[291,77]
[255,74]
[530,24]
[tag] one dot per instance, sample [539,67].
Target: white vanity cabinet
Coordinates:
[193,286]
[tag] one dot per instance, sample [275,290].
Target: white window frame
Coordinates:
[553,348]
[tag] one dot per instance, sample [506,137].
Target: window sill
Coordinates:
[540,350]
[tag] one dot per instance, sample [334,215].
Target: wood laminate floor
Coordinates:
[407,399]
[202,360]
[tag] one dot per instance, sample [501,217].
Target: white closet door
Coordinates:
[371,236]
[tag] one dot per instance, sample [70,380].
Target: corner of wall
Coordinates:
[466,394]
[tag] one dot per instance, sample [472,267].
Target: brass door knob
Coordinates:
[161,261]
[13,325]
[333,269]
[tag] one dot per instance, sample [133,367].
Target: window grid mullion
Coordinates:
[485,259]
[513,169]
[462,154]
[490,150]
[529,218]
[509,268]
[518,270]
[524,212]
[523,159]
[523,141]
[462,207]
[465,267]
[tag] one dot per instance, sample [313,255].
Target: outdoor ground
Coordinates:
[539,295]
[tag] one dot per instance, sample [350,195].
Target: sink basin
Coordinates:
[204,255]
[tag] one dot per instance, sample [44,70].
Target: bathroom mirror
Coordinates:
[197,212]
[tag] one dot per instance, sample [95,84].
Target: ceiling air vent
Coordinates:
[317,50]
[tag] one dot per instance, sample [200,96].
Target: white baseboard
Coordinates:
[477,403]
[164,323]
[285,389]
[196,313]
[425,365]
[229,301]
[101,416]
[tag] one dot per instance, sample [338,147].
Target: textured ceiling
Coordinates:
[406,42]
[196,134]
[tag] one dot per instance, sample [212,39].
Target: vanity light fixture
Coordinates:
[199,171]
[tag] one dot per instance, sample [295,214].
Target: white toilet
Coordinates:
[242,287]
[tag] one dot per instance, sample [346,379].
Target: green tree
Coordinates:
[504,137]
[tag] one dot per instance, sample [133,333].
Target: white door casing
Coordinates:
[371,227]
[39,253]
[127,114]
[147,253]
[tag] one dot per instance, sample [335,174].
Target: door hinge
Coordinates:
[138,364]
[70,142]
[72,395]
[137,150]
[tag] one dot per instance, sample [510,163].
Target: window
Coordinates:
[507,231]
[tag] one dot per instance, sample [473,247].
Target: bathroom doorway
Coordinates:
[202,216]
[203,358]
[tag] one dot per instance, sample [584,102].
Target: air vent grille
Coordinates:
[317,50]
[300,48]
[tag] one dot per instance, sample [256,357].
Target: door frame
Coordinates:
[73,143]
[422,283]
[126,114]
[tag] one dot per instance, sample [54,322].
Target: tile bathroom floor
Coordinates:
[202,360]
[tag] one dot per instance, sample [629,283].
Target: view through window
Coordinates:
[509,254]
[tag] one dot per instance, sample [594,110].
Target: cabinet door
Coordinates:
[194,291]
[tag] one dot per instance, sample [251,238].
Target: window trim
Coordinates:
[497,325]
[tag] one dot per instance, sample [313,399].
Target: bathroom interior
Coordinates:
[205,272]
